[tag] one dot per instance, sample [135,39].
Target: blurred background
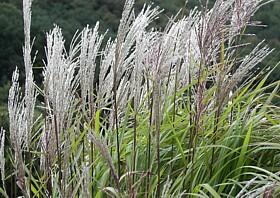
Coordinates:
[71,15]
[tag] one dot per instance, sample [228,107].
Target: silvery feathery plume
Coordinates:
[240,14]
[138,70]
[142,70]
[177,37]
[153,45]
[2,155]
[167,56]
[60,83]
[30,95]
[105,85]
[146,56]
[18,127]
[17,112]
[90,45]
[212,30]
[124,55]
[127,17]
[243,11]
[146,16]
[171,57]
[21,109]
[127,35]
[27,47]
[190,48]
[243,71]
[164,56]
[122,59]
[257,55]
[122,49]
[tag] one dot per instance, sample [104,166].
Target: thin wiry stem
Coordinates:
[116,122]
[123,28]
[57,140]
[156,114]
[2,156]
[150,105]
[134,145]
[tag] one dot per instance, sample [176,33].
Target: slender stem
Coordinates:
[58,153]
[190,114]
[116,123]
[92,175]
[219,100]
[115,86]
[91,110]
[174,112]
[134,144]
[150,99]
[48,160]
[30,171]
[157,127]
[214,142]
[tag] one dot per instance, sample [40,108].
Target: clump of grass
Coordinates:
[171,113]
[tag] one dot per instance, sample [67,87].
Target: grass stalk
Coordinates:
[219,101]
[134,144]
[148,160]
[117,126]
[156,125]
[58,153]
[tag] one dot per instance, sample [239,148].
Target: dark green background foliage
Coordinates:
[71,15]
